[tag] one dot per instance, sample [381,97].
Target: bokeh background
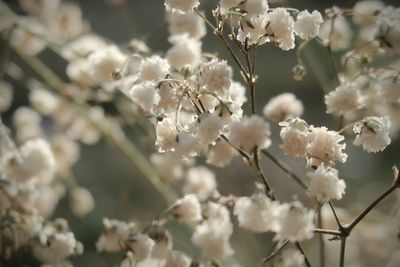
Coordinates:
[122,193]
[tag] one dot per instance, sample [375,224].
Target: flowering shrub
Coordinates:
[201,109]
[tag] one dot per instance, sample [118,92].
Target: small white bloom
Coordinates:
[43,101]
[169,166]
[201,182]
[140,245]
[145,95]
[307,24]
[104,61]
[372,133]
[115,232]
[83,46]
[189,23]
[220,154]
[255,7]
[282,25]
[153,68]
[258,213]
[213,239]
[38,160]
[290,258]
[283,107]
[81,201]
[297,224]
[185,52]
[163,244]
[325,147]
[365,11]
[209,127]
[182,6]
[249,133]
[215,76]
[388,27]
[187,145]
[169,98]
[177,259]
[337,37]
[294,134]
[344,99]
[253,30]
[325,184]
[226,5]
[166,135]
[6,96]
[187,209]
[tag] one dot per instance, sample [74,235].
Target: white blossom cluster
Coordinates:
[194,111]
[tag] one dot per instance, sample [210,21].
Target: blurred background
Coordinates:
[121,192]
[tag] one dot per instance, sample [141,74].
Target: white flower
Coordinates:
[83,46]
[177,259]
[201,182]
[282,25]
[185,52]
[68,22]
[187,145]
[365,11]
[38,160]
[145,95]
[81,201]
[26,41]
[66,152]
[182,6]
[283,107]
[166,135]
[215,76]
[344,99]
[296,224]
[258,213]
[153,68]
[212,236]
[55,243]
[294,134]
[339,37]
[115,232]
[255,7]
[225,5]
[372,133]
[220,154]
[104,61]
[169,98]
[163,244]
[253,30]
[209,127]
[187,209]
[188,23]
[388,27]
[290,258]
[80,72]
[140,245]
[325,147]
[325,184]
[6,96]
[249,133]
[43,101]
[168,165]
[307,24]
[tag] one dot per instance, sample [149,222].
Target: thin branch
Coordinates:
[276,251]
[327,232]
[369,208]
[335,215]
[321,238]
[307,262]
[284,168]
[342,251]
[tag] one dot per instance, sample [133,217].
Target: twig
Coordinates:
[307,262]
[276,251]
[284,168]
[342,251]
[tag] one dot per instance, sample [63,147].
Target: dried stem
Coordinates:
[342,251]
[284,168]
[321,238]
